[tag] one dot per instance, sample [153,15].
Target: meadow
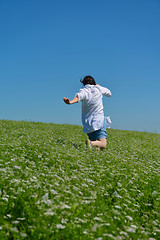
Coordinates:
[52,187]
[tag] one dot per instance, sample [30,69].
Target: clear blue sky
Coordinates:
[47,46]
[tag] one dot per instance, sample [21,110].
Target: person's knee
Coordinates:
[104,146]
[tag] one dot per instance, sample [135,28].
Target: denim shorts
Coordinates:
[96,135]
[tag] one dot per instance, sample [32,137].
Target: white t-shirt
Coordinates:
[92,106]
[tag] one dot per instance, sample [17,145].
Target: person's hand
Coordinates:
[66,100]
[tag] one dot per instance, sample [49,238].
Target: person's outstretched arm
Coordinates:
[74,100]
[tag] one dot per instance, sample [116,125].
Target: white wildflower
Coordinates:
[17,167]
[94,228]
[124,233]
[86,201]
[15,222]
[108,235]
[154,193]
[14,229]
[118,207]
[23,234]
[53,191]
[5,199]
[45,197]
[106,224]
[60,226]
[131,229]
[65,206]
[64,221]
[49,213]
[129,218]
[133,226]
[116,194]
[2,169]
[31,227]
[98,219]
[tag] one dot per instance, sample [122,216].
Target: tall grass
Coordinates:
[52,187]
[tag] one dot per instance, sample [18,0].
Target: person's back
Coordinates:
[93,98]
[92,107]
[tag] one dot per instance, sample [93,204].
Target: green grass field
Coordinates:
[52,187]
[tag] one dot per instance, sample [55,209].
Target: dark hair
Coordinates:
[88,80]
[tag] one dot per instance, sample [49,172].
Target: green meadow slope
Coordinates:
[52,187]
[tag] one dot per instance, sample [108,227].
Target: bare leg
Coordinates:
[100,143]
